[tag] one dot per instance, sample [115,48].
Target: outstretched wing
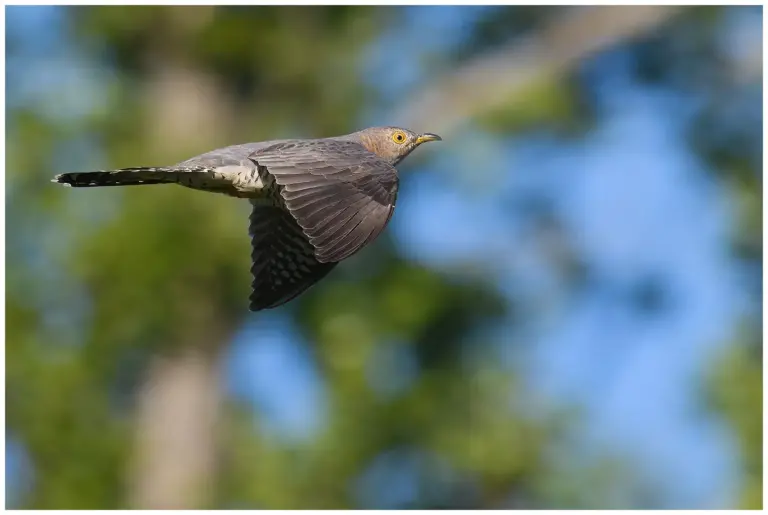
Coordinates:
[283,261]
[340,194]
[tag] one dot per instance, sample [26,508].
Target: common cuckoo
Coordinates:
[315,201]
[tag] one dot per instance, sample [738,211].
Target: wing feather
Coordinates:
[341,195]
[283,261]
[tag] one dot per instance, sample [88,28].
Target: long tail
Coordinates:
[122,177]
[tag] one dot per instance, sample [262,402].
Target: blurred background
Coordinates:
[563,313]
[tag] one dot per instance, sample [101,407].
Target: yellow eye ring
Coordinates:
[399,137]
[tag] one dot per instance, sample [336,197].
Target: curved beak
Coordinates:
[427,136]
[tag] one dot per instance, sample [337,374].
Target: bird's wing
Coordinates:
[283,261]
[340,194]
[227,156]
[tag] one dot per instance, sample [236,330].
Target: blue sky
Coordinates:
[635,202]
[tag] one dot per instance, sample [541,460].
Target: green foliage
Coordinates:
[736,391]
[549,103]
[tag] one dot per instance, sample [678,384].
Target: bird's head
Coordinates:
[393,143]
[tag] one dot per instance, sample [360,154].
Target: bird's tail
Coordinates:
[121,177]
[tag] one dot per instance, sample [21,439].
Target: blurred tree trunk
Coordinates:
[176,432]
[178,404]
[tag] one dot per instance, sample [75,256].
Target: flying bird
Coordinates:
[315,202]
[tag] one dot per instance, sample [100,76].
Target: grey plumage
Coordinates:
[315,202]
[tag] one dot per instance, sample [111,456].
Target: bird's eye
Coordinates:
[398,137]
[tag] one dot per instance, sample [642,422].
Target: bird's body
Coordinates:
[315,202]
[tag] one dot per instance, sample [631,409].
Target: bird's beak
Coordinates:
[427,136]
